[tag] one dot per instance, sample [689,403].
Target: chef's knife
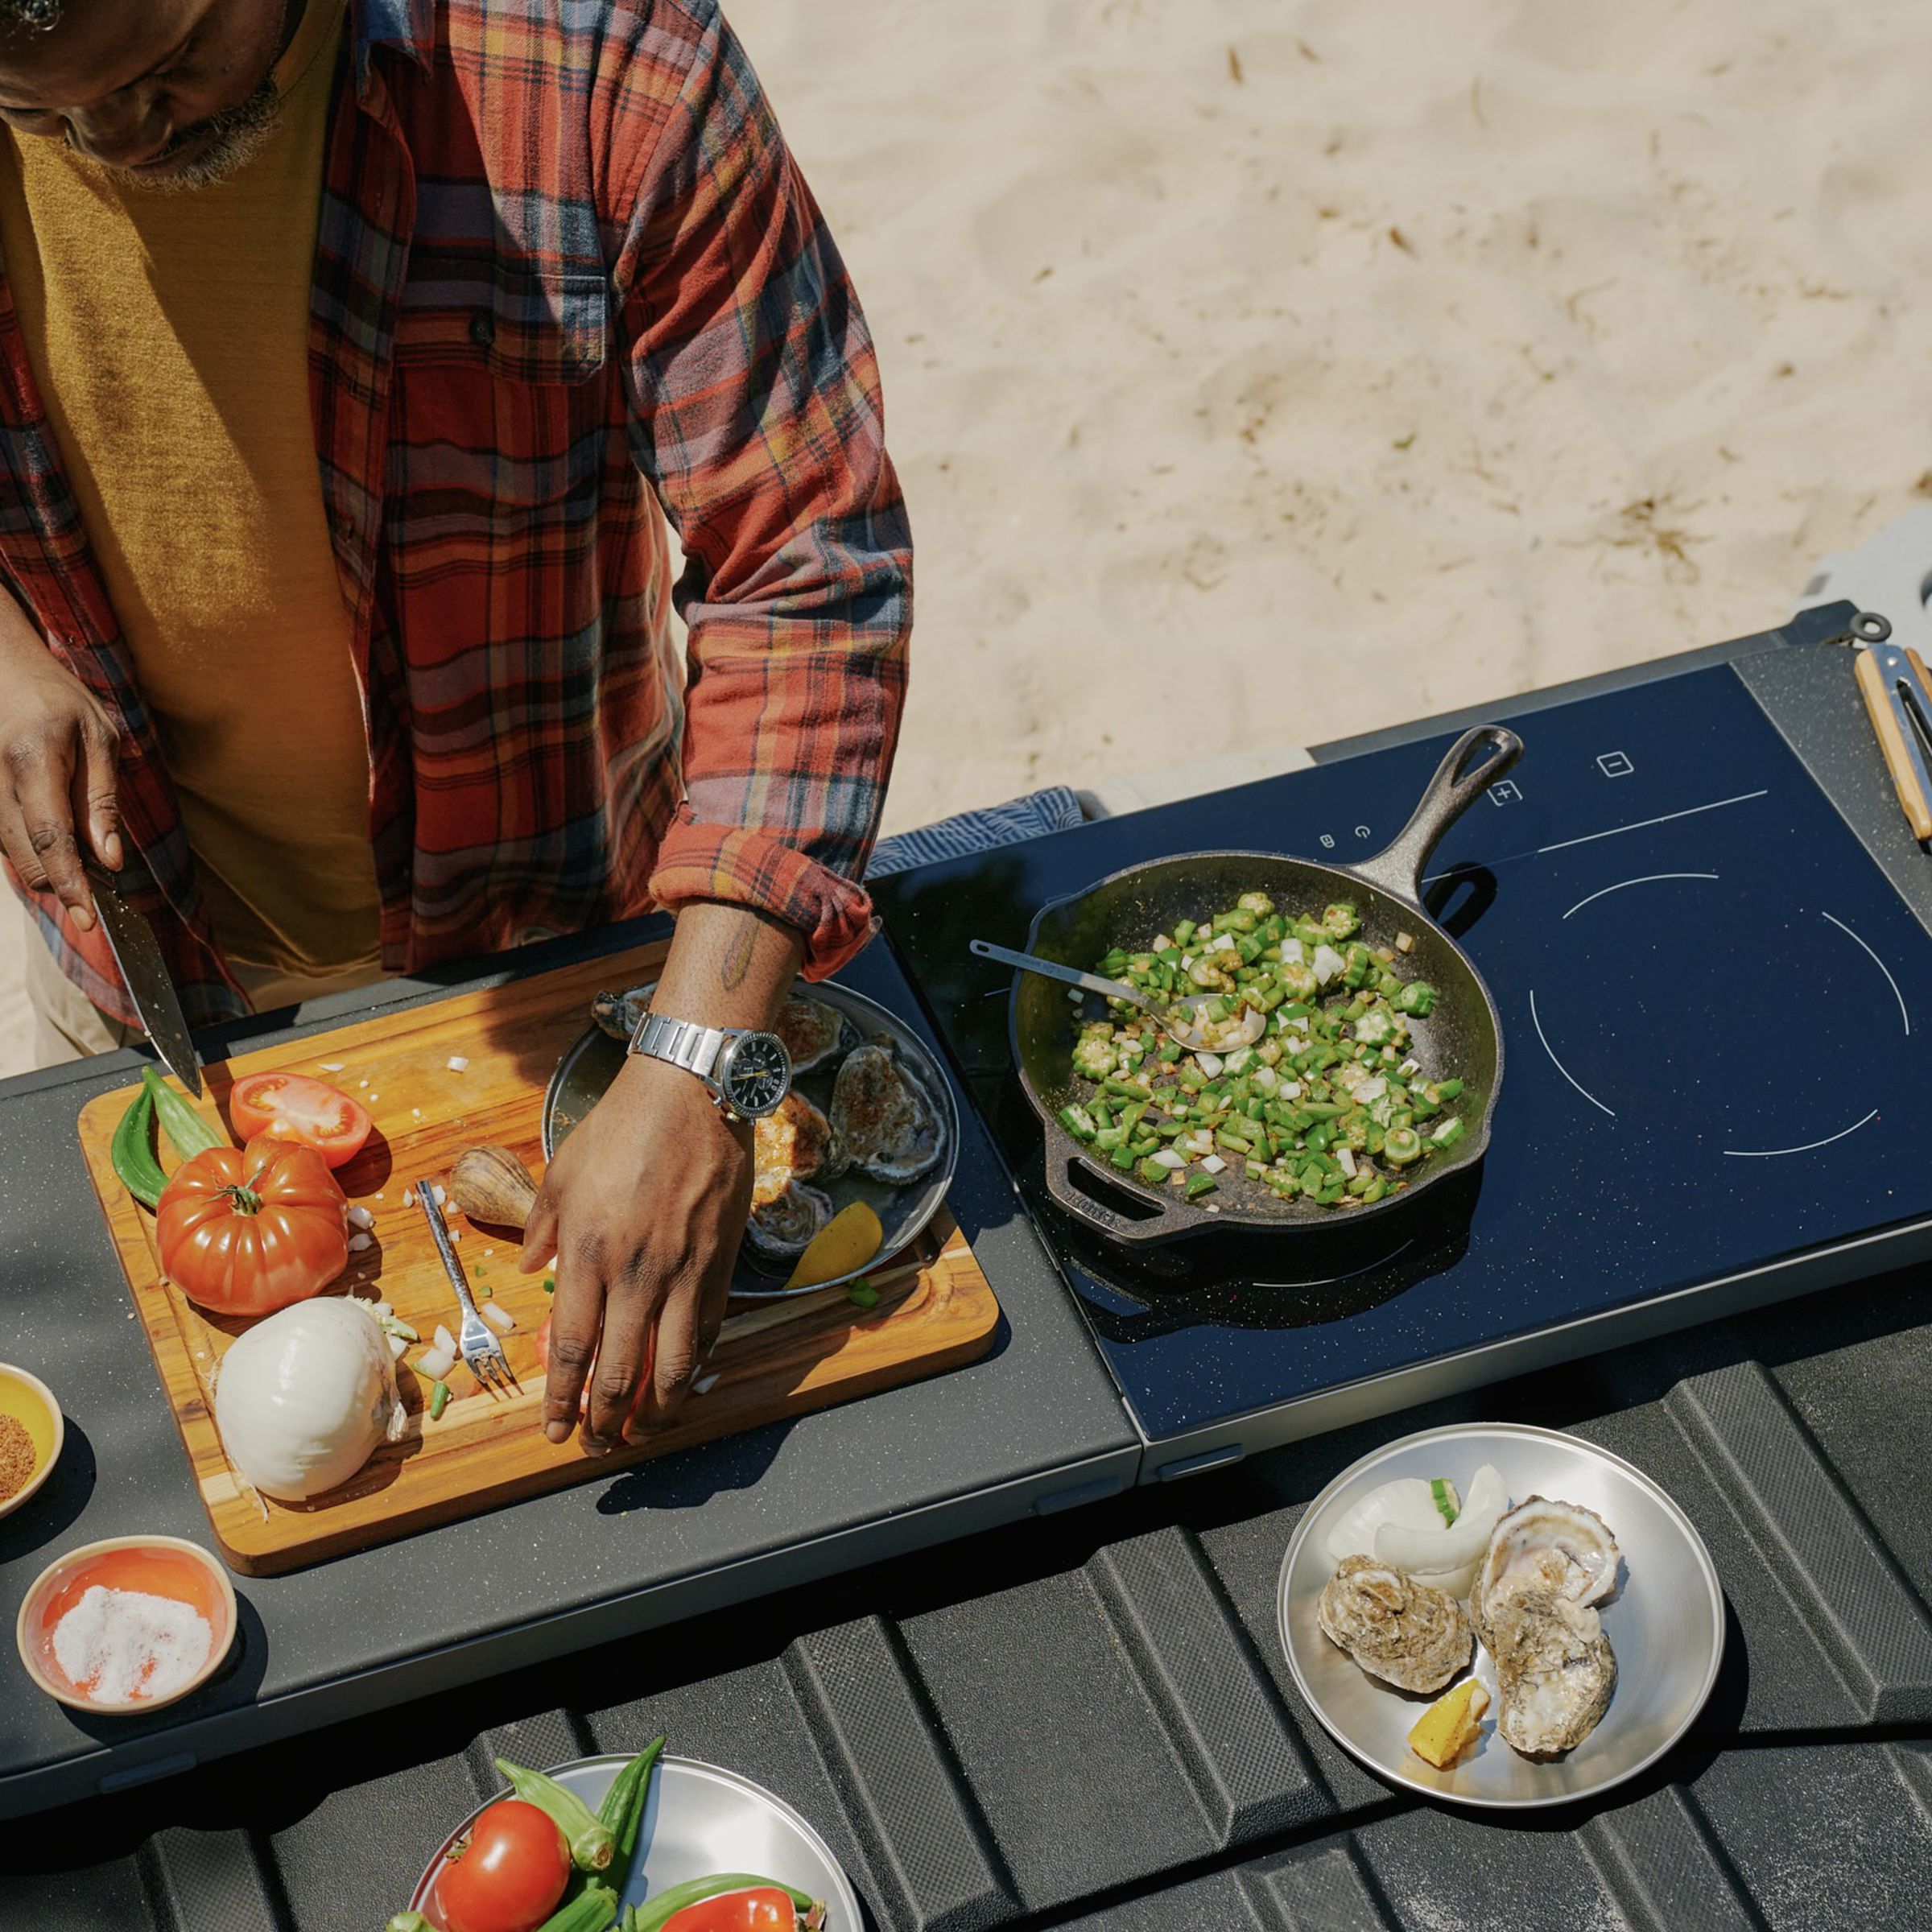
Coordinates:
[132,940]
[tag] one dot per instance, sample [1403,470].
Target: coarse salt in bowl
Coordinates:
[117,1625]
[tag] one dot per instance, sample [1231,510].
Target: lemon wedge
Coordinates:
[844,1244]
[1449,1726]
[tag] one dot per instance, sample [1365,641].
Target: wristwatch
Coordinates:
[748,1073]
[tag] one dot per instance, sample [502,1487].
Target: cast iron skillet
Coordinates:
[1462,1037]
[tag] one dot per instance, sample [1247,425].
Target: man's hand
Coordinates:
[645,1203]
[58,751]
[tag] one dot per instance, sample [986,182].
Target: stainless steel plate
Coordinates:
[591,1062]
[1665,1621]
[699,1819]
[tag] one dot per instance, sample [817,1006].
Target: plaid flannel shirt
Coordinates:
[564,261]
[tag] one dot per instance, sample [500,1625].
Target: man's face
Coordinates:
[171,93]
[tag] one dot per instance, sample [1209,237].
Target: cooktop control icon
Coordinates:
[1615,764]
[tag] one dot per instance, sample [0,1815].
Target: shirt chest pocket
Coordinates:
[501,385]
[516,328]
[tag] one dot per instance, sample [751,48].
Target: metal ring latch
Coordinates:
[1869,627]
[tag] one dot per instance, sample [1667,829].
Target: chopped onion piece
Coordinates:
[1345,1159]
[1328,963]
[499,1317]
[332,1066]
[1214,1164]
[440,1191]
[446,1343]
[1167,1157]
[434,1365]
[1291,1090]
[360,1216]
[396,1347]
[1292,954]
[1239,1059]
[456,1063]
[1409,1069]
[1404,941]
[1210,1063]
[1371,1090]
[360,1240]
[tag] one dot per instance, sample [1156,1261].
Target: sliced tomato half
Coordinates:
[292,1107]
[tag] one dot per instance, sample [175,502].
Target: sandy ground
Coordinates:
[1263,371]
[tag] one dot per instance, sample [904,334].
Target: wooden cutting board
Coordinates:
[936,1310]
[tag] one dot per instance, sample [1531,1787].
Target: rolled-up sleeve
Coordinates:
[757,415]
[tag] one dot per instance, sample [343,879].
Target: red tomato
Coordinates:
[248,1230]
[764,1909]
[508,1875]
[292,1107]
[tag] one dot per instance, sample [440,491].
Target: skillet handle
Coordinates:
[1458,781]
[1084,1207]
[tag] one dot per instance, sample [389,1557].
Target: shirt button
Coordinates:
[482,328]
[345,529]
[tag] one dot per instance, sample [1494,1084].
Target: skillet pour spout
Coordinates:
[1462,1037]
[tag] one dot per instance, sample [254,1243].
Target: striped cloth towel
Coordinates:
[1056,809]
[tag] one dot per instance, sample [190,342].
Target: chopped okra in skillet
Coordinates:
[1329,1104]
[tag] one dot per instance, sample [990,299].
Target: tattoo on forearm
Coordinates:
[738,956]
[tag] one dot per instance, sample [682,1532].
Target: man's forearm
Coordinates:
[728,966]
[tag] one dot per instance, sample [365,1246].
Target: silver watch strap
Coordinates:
[683,1043]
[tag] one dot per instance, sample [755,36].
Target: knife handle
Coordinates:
[1891,740]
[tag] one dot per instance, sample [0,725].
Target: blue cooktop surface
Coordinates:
[1714,1007]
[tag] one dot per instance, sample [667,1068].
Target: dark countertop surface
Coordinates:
[749,1515]
[1087,1721]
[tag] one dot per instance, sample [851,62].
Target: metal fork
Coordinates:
[476,1341]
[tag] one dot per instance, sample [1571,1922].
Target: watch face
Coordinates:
[758,1075]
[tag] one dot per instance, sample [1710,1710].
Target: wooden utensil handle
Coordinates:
[1892,741]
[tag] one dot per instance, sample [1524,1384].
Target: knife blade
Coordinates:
[131,939]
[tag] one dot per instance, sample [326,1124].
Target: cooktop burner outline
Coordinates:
[1650,878]
[1536,1020]
[1772,1154]
[1903,1012]
[1764,1154]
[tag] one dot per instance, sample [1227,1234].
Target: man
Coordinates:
[342,345]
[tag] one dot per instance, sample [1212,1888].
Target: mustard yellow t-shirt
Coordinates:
[169,334]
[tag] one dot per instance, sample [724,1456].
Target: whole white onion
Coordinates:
[305,1397]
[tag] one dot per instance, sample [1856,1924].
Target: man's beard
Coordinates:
[239,134]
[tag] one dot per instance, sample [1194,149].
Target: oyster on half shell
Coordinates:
[891,1126]
[1544,1544]
[1555,1669]
[782,1227]
[796,1143]
[620,1015]
[1404,1632]
[814,1034]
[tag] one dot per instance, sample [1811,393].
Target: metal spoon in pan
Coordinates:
[1166,1015]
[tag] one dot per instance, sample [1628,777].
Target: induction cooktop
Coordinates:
[1715,1013]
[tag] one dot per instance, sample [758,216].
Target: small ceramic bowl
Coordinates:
[158,1566]
[31,1404]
